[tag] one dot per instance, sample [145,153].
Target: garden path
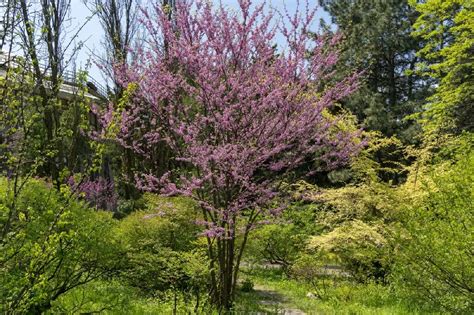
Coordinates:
[276,302]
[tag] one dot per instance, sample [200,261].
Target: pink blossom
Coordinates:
[237,114]
[99,193]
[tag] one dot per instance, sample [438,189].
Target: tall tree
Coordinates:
[8,18]
[43,122]
[238,116]
[119,21]
[447,31]
[378,40]
[49,49]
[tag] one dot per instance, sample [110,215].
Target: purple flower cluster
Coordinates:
[99,193]
[236,112]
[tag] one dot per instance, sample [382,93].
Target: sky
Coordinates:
[91,34]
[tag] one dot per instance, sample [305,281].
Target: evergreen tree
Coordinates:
[378,40]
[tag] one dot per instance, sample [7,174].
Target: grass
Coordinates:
[273,293]
[339,297]
[112,297]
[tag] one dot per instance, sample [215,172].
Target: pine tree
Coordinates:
[378,40]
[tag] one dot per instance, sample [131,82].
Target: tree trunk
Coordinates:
[226,279]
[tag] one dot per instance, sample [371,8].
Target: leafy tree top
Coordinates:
[447,30]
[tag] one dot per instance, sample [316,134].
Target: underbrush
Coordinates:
[113,297]
[273,293]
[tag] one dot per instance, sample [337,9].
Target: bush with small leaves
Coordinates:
[435,262]
[53,245]
[165,256]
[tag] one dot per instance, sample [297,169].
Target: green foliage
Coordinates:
[168,222]
[277,244]
[340,296]
[53,244]
[355,217]
[163,267]
[366,196]
[115,297]
[360,248]
[368,202]
[22,135]
[127,206]
[96,297]
[309,268]
[283,240]
[447,31]
[247,286]
[435,259]
[163,250]
[44,134]
[377,41]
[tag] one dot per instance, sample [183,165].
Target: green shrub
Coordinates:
[359,247]
[286,238]
[435,262]
[247,285]
[125,207]
[309,269]
[54,244]
[163,249]
[279,244]
[164,269]
[100,296]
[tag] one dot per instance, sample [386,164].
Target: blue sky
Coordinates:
[91,34]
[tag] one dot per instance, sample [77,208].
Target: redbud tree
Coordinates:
[237,113]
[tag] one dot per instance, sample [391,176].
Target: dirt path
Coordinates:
[275,301]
